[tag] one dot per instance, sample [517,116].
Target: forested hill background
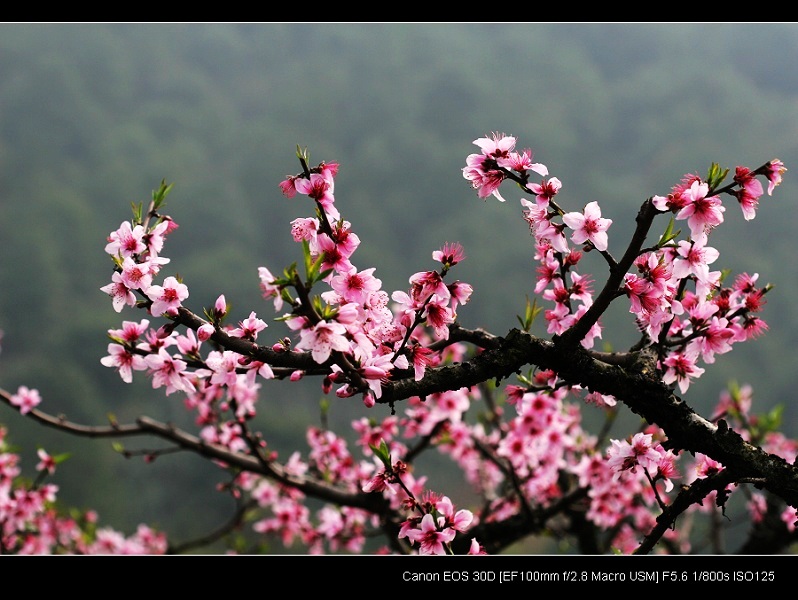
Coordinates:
[94,116]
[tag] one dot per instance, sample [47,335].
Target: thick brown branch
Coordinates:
[639,386]
[693,494]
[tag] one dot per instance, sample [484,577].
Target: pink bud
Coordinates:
[344,391]
[297,375]
[171,225]
[372,372]
[165,331]
[205,332]
[220,308]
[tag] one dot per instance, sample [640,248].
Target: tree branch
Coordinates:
[639,386]
[246,462]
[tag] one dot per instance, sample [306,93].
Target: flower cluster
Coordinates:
[31,524]
[352,324]
[525,452]
[677,300]
[353,329]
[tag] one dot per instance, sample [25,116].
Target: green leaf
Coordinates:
[383,453]
[668,235]
[716,175]
[306,255]
[530,314]
[525,379]
[159,195]
[323,275]
[772,420]
[59,458]
[137,213]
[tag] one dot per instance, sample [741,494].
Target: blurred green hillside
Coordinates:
[94,116]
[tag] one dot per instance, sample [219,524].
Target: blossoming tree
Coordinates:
[505,409]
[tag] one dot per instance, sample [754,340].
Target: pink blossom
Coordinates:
[498,146]
[522,162]
[223,365]
[545,190]
[378,483]
[439,316]
[774,172]
[715,338]
[626,456]
[789,516]
[46,462]
[227,434]
[694,258]
[136,275]
[483,170]
[421,358]
[130,332]
[374,370]
[476,548]
[305,229]
[288,186]
[460,293]
[167,298]
[666,469]
[354,286]
[249,328]
[601,400]
[542,228]
[121,294]
[26,399]
[168,371]
[156,236]
[345,239]
[126,241]
[588,226]
[449,255]
[430,539]
[748,203]
[425,284]
[672,202]
[336,256]
[268,287]
[702,212]
[643,296]
[653,267]
[320,187]
[559,318]
[124,360]
[558,293]
[322,339]
[595,329]
[581,288]
[681,368]
[749,192]
[460,520]
[548,271]
[706,466]
[751,328]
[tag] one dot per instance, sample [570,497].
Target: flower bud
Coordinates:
[205,332]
